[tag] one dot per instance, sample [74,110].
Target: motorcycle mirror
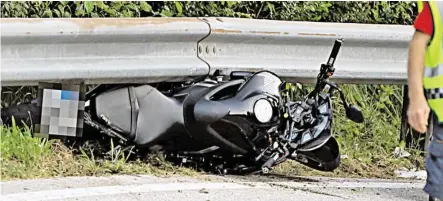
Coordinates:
[353,113]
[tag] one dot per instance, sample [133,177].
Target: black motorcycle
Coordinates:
[245,124]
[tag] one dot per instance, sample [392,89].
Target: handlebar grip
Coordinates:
[335,51]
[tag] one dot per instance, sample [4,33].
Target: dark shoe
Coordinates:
[26,113]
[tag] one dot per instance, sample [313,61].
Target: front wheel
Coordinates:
[326,158]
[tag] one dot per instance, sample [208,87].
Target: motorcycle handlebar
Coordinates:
[334,52]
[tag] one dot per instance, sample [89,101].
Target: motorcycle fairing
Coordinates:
[198,112]
[228,110]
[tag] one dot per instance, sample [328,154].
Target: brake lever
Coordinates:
[340,91]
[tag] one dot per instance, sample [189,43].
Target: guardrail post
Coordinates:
[410,136]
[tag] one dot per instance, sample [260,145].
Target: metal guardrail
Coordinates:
[295,50]
[101,50]
[176,49]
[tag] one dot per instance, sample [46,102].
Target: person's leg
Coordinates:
[434,163]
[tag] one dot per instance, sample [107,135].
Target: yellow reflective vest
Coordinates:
[433,71]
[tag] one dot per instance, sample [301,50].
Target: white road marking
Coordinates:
[113,190]
[165,187]
[384,185]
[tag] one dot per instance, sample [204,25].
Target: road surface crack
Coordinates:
[306,190]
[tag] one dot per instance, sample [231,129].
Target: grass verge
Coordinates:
[27,157]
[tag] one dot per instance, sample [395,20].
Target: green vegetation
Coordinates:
[368,146]
[382,12]
[26,157]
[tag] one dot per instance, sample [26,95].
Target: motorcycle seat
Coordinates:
[142,113]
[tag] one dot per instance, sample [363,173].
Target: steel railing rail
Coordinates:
[116,50]
[295,50]
[101,50]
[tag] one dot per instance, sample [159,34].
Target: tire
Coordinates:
[326,158]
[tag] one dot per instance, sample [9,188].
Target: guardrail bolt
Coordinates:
[207,49]
[200,49]
[214,50]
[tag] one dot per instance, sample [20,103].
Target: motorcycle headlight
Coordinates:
[263,110]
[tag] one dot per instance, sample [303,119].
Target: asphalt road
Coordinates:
[213,188]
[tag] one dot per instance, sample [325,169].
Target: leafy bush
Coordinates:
[382,12]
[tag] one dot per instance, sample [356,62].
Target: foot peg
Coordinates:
[269,163]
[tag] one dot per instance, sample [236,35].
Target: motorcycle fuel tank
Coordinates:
[261,82]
